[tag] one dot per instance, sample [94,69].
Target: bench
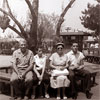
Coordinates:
[93,69]
[5,77]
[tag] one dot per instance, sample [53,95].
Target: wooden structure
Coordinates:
[70,37]
[5,77]
[93,52]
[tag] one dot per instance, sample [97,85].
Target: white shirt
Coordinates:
[40,61]
[75,59]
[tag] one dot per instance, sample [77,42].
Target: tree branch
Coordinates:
[13,18]
[15,30]
[9,10]
[30,7]
[61,19]
[67,7]
[16,21]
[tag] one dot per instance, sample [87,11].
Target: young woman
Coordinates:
[39,69]
[58,61]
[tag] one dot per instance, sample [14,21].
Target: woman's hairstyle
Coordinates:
[60,43]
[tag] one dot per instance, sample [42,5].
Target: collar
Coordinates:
[73,52]
[20,52]
[60,55]
[40,57]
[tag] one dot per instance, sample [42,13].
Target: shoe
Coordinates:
[58,98]
[88,95]
[26,98]
[33,97]
[19,98]
[47,96]
[74,97]
[65,98]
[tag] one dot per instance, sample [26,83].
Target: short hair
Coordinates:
[23,41]
[39,47]
[74,42]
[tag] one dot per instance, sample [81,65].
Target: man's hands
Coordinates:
[21,76]
[60,67]
[76,67]
[80,67]
[72,67]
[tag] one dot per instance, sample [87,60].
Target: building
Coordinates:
[70,37]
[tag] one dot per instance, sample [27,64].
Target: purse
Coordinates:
[56,72]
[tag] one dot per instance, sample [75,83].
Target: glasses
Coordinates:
[59,48]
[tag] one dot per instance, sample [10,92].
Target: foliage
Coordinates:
[91,18]
[47,25]
[4,22]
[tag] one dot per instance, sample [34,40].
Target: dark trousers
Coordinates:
[82,73]
[22,87]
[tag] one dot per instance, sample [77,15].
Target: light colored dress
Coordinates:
[59,77]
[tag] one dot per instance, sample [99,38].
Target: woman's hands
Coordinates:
[40,77]
[60,67]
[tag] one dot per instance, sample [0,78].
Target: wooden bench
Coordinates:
[93,69]
[5,77]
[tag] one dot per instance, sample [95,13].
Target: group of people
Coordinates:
[30,70]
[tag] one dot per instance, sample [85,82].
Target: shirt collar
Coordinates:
[19,51]
[40,57]
[73,52]
[59,55]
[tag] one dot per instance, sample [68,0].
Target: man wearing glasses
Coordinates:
[76,65]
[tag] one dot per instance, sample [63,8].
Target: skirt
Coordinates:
[60,79]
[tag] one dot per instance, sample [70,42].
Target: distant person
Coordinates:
[40,70]
[92,46]
[96,45]
[58,63]
[22,76]
[76,67]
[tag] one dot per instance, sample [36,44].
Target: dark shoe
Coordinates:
[74,97]
[88,95]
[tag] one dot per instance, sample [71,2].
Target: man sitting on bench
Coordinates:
[22,76]
[76,67]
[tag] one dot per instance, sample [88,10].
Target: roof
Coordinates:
[75,33]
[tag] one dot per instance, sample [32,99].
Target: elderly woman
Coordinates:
[58,62]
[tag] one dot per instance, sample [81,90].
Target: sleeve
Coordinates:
[51,57]
[67,58]
[14,57]
[82,56]
[32,60]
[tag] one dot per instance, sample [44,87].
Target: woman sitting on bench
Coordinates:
[58,62]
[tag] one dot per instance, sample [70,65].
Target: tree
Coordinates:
[31,36]
[91,18]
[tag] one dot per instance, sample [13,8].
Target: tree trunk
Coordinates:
[33,30]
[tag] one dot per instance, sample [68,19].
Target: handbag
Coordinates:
[56,72]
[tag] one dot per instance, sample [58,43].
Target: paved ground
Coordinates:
[81,96]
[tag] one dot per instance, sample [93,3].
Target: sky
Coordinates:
[72,20]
